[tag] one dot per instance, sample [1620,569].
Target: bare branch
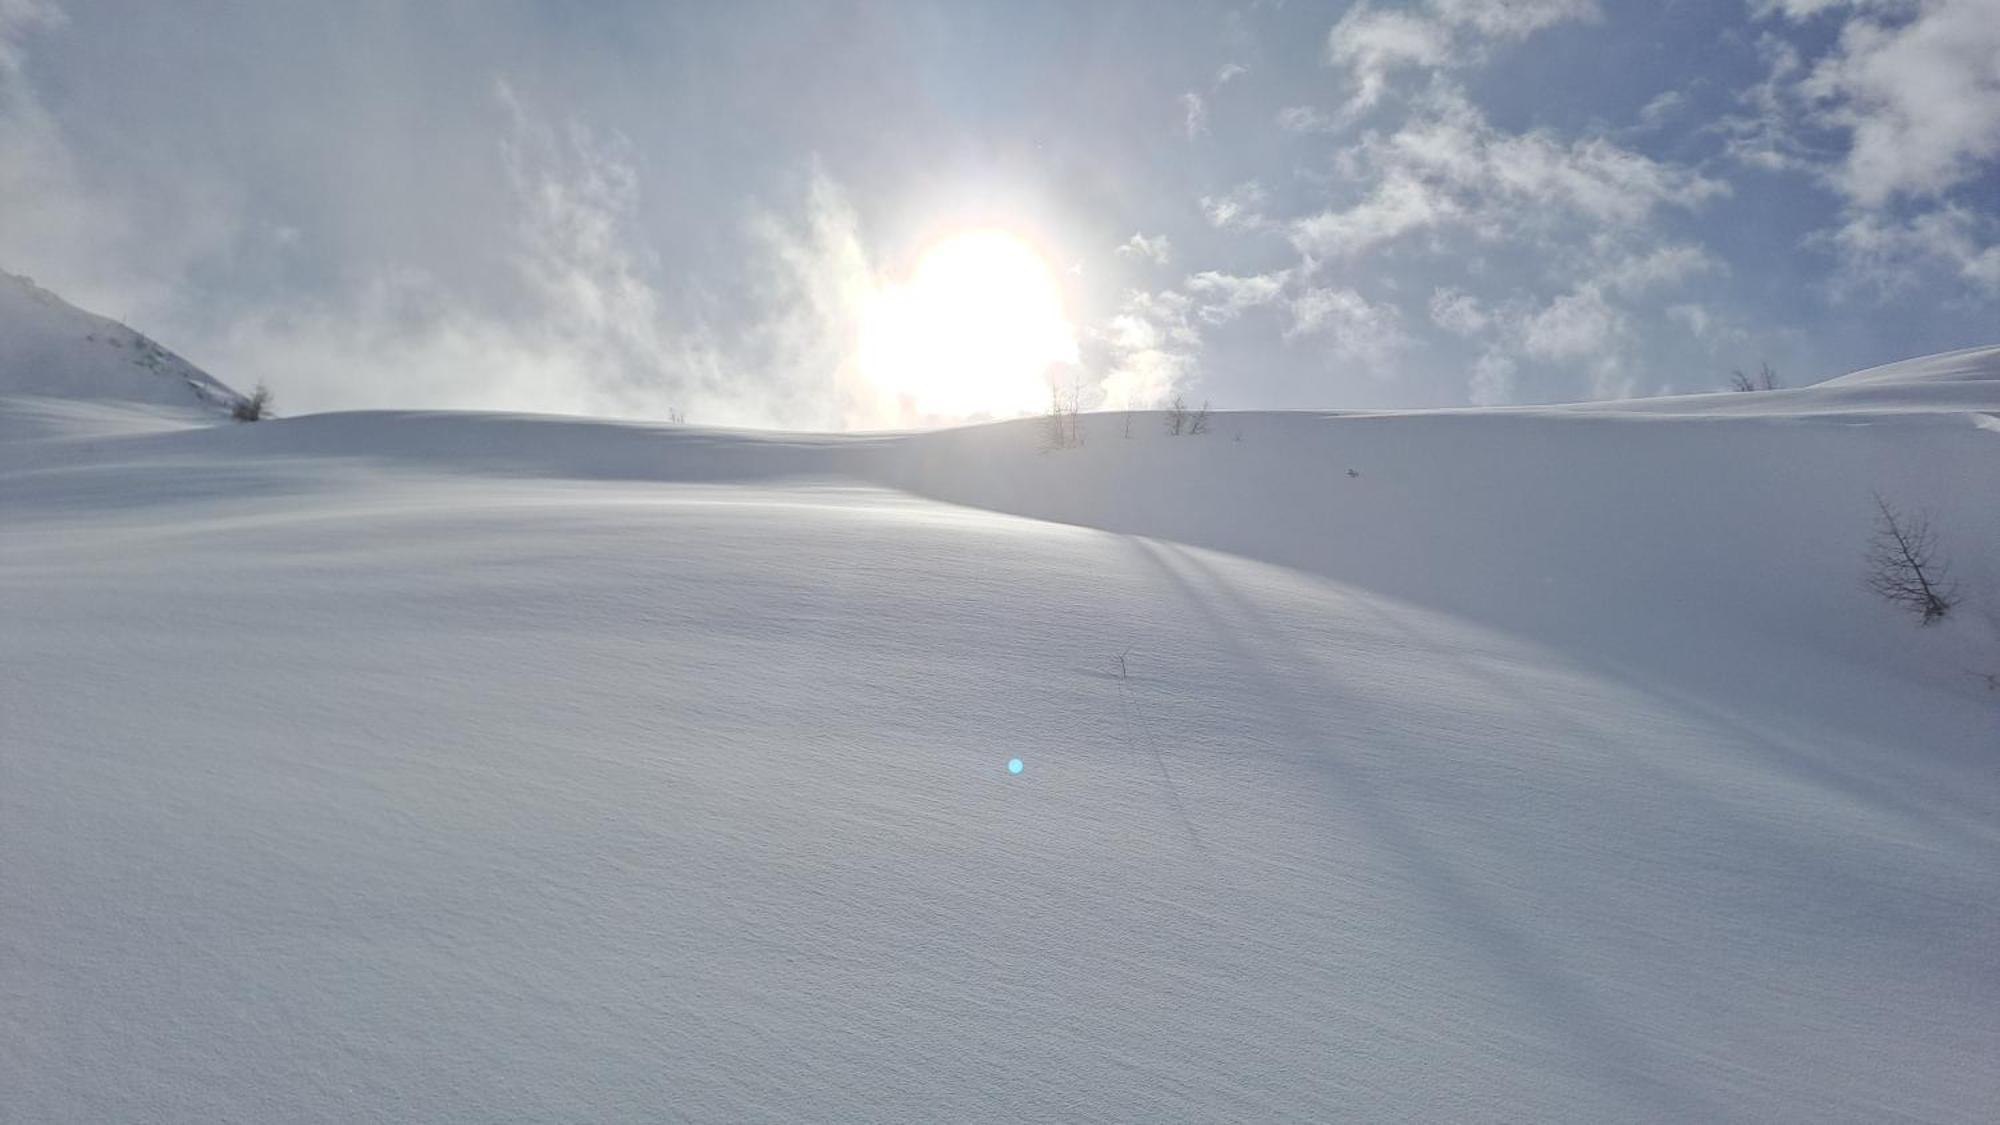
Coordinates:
[1904,567]
[1766,379]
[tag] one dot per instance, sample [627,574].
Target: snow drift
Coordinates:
[1553,764]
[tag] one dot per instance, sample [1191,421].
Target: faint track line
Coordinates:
[1128,713]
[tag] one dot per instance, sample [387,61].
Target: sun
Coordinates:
[976,330]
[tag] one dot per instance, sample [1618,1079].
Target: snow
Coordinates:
[1967,365]
[64,369]
[462,767]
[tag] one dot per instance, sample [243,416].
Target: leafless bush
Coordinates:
[1766,379]
[255,408]
[1181,419]
[1062,426]
[1904,565]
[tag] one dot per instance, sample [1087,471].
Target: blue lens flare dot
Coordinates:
[1013,765]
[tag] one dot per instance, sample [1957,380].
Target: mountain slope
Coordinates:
[1555,766]
[50,349]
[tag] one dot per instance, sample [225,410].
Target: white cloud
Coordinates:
[1919,98]
[594,332]
[1611,376]
[1373,44]
[589,337]
[1228,73]
[1354,327]
[1889,254]
[1583,327]
[1399,204]
[1154,248]
[19,18]
[1153,321]
[1764,137]
[1240,206]
[1579,324]
[1449,165]
[1492,382]
[1458,312]
[1513,19]
[1795,9]
[1662,266]
[1194,114]
[1223,297]
[1152,348]
[1305,119]
[1606,182]
[1662,107]
[1909,91]
[1697,319]
[57,224]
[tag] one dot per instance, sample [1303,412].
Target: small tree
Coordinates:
[255,408]
[1904,566]
[1177,416]
[1198,421]
[1052,422]
[1063,424]
[1765,380]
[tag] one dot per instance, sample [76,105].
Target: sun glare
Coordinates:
[975,330]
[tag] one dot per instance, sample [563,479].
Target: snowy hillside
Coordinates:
[52,350]
[1551,764]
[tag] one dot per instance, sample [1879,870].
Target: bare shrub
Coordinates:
[1177,416]
[1766,379]
[255,408]
[1198,421]
[1904,565]
[1062,426]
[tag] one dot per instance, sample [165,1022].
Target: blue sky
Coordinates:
[631,208]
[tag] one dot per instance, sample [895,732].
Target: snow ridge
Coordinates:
[50,348]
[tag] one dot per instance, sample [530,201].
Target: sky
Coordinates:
[733,212]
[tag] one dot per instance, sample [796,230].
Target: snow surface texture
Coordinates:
[456,767]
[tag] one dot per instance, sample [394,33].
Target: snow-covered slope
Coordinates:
[1960,381]
[1967,365]
[1553,766]
[84,371]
